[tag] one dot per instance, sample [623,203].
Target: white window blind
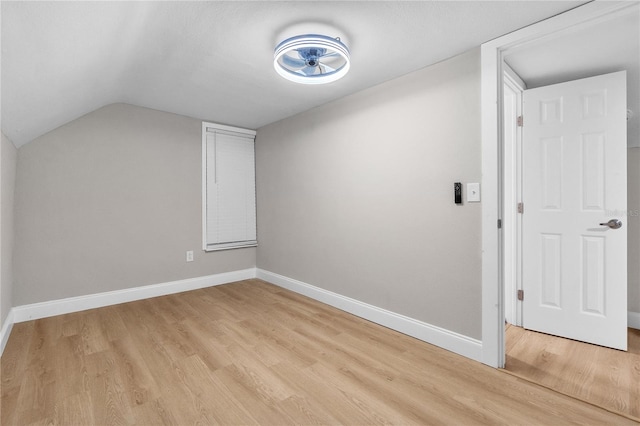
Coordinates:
[229,205]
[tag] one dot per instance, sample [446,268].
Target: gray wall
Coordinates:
[356,196]
[8,155]
[633,167]
[110,201]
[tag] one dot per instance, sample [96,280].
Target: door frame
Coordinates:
[492,149]
[512,190]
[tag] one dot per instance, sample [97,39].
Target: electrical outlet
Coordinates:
[190,256]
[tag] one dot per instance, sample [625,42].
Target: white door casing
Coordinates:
[574,179]
[512,189]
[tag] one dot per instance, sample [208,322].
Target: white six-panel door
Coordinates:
[574,179]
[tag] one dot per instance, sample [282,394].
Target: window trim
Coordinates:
[208,127]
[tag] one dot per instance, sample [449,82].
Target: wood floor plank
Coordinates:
[15,356]
[71,324]
[111,323]
[138,382]
[379,372]
[35,400]
[350,388]
[253,353]
[8,409]
[260,404]
[163,337]
[109,402]
[93,335]
[68,355]
[173,309]
[295,317]
[302,412]
[75,410]
[264,381]
[154,412]
[429,387]
[281,339]
[322,394]
[602,376]
[208,341]
[222,407]
[210,304]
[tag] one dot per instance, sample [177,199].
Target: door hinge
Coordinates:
[520,208]
[520,294]
[520,121]
[499,223]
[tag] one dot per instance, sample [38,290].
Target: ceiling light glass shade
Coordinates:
[311,59]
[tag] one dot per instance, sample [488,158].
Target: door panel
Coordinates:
[574,179]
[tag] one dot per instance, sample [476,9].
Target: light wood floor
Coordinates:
[602,376]
[252,353]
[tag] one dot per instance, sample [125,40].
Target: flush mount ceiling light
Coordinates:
[311,59]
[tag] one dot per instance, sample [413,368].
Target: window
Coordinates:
[228,187]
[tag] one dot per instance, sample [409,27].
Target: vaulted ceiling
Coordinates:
[213,60]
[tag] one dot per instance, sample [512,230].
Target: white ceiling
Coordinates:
[213,60]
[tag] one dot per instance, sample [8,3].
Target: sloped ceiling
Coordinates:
[213,60]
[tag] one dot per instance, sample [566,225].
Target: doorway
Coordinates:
[546,356]
[532,45]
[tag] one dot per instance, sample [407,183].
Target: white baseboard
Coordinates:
[7,325]
[98,300]
[633,320]
[454,342]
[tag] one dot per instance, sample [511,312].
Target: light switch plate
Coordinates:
[473,192]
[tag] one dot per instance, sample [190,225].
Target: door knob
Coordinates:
[613,224]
